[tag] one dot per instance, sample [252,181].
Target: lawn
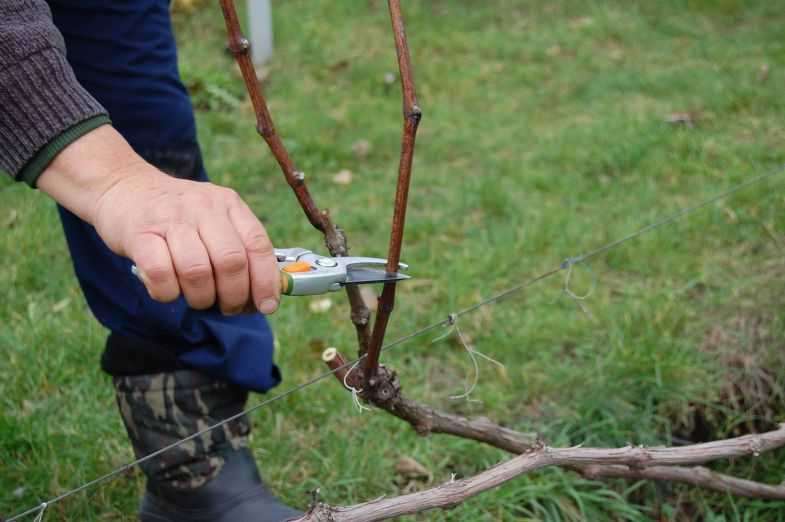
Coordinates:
[549,128]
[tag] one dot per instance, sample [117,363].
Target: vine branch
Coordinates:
[694,476]
[628,462]
[424,419]
[240,48]
[411,120]
[334,237]
[369,342]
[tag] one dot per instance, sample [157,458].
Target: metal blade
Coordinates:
[360,276]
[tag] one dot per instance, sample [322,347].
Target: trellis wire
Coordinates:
[567,264]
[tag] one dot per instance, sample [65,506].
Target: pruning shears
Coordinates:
[306,273]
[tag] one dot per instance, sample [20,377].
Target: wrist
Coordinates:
[43,158]
[89,167]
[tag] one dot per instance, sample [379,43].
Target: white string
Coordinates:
[467,390]
[452,322]
[355,392]
[578,299]
[40,516]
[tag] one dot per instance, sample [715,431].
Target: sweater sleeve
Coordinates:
[42,106]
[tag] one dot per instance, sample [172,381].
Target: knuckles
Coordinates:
[199,200]
[186,203]
[231,197]
[197,275]
[157,274]
[258,244]
[232,263]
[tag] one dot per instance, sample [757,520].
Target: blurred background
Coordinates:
[549,128]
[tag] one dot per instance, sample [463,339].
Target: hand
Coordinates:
[193,237]
[184,236]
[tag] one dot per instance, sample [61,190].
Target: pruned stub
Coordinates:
[384,388]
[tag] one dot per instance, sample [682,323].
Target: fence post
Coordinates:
[260,20]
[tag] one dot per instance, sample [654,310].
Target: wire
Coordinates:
[678,215]
[450,320]
[118,471]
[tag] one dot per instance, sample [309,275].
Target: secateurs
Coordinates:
[306,273]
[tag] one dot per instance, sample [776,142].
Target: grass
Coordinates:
[543,136]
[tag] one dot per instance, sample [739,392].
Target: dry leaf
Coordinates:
[361,148]
[338,66]
[411,469]
[502,372]
[321,305]
[10,221]
[32,309]
[581,21]
[369,296]
[338,112]
[29,407]
[763,74]
[61,305]
[344,177]
[317,345]
[186,5]
[688,118]
[554,50]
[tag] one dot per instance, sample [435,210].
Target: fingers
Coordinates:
[262,265]
[199,240]
[228,259]
[192,264]
[151,255]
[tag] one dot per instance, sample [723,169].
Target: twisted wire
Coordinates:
[450,320]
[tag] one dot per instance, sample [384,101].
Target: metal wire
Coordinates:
[118,471]
[449,320]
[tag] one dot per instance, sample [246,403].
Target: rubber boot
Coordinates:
[211,478]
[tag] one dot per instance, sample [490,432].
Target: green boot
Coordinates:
[210,478]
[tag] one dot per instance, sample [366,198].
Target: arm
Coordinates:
[189,237]
[42,106]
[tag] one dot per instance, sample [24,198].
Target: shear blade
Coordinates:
[360,276]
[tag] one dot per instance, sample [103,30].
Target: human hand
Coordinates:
[186,237]
[193,237]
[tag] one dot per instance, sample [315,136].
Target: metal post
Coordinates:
[260,19]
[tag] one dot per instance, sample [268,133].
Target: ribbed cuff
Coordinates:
[41,100]
[36,166]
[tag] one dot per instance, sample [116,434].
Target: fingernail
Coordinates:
[138,274]
[268,306]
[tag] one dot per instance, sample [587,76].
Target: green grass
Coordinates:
[543,136]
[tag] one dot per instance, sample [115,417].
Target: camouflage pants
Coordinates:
[163,408]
